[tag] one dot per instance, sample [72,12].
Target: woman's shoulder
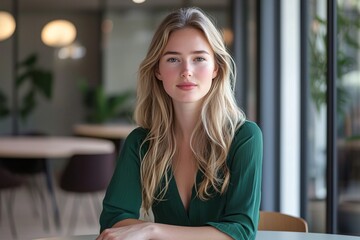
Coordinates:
[247,129]
[139,131]
[137,135]
[248,141]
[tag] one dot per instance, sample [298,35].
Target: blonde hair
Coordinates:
[220,116]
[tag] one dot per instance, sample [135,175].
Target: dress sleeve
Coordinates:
[123,195]
[241,215]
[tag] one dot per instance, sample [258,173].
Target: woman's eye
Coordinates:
[199,59]
[171,60]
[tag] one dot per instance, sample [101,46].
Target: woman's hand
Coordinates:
[141,231]
[133,229]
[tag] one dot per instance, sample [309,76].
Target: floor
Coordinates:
[29,218]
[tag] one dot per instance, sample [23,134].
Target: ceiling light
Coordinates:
[7,25]
[58,33]
[138,1]
[73,51]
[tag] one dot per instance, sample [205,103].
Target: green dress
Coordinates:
[235,213]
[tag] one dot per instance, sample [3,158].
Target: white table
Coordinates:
[109,131]
[59,147]
[274,235]
[261,235]
[51,147]
[115,132]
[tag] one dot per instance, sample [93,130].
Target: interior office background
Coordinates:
[280,51]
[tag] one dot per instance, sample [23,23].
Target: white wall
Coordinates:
[290,108]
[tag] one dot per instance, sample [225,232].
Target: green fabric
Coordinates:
[235,213]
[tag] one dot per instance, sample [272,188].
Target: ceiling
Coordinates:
[52,5]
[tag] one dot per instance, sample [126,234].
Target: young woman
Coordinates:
[195,162]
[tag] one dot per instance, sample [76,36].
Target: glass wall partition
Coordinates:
[316,146]
[347,116]
[348,109]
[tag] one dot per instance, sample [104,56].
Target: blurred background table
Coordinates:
[54,147]
[110,131]
[51,147]
[114,132]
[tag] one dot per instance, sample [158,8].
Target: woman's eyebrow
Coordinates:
[201,52]
[171,53]
[193,52]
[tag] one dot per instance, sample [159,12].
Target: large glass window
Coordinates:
[317,117]
[348,116]
[348,128]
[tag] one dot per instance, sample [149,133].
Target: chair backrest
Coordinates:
[8,180]
[87,173]
[275,221]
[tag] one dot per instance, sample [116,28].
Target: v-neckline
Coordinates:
[178,197]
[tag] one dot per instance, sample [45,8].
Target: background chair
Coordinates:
[275,221]
[31,169]
[9,181]
[84,175]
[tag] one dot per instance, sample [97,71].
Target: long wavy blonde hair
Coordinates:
[220,116]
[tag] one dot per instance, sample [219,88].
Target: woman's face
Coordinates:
[187,66]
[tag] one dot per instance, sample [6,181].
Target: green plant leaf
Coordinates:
[320,20]
[38,80]
[22,77]
[353,138]
[83,86]
[101,104]
[28,104]
[356,23]
[43,82]
[4,110]
[351,42]
[29,61]
[102,107]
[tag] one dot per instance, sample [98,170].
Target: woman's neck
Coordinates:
[186,118]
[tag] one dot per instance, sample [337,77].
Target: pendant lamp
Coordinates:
[7,25]
[58,33]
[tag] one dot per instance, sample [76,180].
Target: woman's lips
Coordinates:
[186,86]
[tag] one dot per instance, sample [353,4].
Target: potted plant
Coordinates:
[31,81]
[102,107]
[318,58]
[39,82]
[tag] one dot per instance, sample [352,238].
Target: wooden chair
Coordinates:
[275,221]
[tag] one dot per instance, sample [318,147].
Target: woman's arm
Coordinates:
[133,229]
[123,196]
[240,216]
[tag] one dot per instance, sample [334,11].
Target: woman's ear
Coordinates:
[157,74]
[215,72]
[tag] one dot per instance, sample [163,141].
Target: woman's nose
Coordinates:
[186,71]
